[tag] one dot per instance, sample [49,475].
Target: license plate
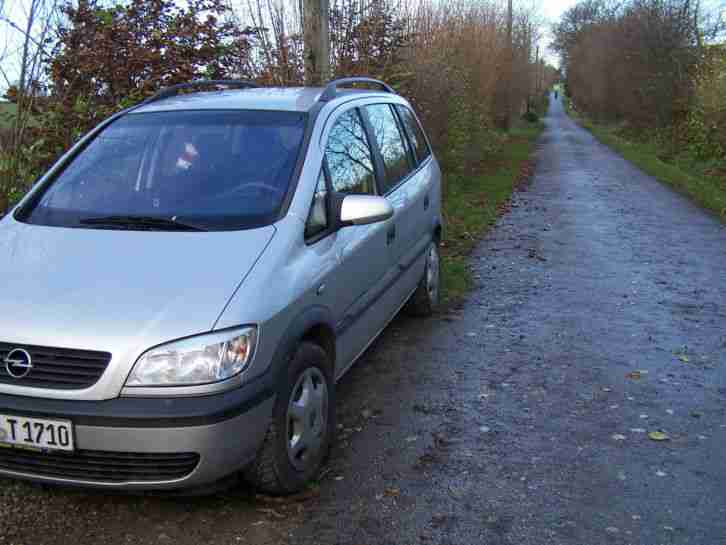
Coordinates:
[35,433]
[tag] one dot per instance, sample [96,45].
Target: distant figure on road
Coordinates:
[555,95]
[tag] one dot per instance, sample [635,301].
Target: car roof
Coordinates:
[292,99]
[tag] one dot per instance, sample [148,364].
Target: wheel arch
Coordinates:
[438,232]
[314,324]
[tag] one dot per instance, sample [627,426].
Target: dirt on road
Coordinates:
[523,417]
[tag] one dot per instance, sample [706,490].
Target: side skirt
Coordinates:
[355,359]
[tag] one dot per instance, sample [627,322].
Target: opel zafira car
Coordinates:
[183,288]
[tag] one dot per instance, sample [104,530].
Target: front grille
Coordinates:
[99,466]
[60,368]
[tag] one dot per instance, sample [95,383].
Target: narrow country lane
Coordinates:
[514,420]
[599,315]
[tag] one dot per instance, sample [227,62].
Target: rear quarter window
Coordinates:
[415,133]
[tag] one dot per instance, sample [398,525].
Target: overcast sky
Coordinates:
[552,9]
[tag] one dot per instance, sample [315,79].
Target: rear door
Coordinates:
[408,190]
[425,186]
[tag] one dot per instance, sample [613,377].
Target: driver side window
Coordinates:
[349,157]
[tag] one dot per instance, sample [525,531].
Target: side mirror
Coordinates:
[363,210]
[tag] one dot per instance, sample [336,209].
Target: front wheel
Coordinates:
[303,423]
[425,300]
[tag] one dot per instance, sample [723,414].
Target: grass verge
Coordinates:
[476,195]
[706,186]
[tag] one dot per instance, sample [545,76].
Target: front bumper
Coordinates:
[121,443]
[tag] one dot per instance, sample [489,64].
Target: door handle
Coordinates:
[427,202]
[391,235]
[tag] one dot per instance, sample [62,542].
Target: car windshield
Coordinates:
[215,170]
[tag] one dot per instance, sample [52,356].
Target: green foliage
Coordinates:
[704,131]
[477,190]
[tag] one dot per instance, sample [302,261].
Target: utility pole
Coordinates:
[316,34]
[696,24]
[504,90]
[510,22]
[536,75]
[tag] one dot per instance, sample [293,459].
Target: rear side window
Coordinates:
[415,133]
[390,142]
[349,156]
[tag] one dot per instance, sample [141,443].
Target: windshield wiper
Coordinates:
[143,222]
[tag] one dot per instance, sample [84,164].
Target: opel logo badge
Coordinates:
[18,363]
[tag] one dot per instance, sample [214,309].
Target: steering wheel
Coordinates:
[264,187]
[275,191]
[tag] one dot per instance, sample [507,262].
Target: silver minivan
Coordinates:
[184,287]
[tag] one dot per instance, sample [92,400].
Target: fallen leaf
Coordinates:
[619,437]
[684,358]
[660,473]
[392,492]
[636,375]
[272,512]
[658,436]
[669,411]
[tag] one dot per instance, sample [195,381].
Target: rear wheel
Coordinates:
[425,300]
[303,423]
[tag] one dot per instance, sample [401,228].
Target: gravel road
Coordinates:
[522,417]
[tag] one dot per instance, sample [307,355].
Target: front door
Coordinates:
[362,250]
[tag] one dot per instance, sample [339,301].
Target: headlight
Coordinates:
[196,360]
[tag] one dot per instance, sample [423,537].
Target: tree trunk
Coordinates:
[316,31]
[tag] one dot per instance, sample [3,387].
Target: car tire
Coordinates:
[425,300]
[303,423]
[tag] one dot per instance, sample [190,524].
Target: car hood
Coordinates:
[116,291]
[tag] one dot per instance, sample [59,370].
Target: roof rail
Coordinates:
[331,89]
[174,89]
